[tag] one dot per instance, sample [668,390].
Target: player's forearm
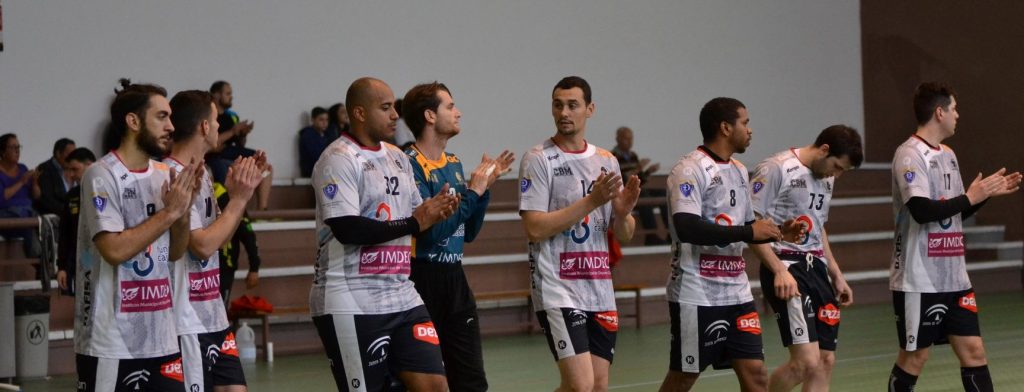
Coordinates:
[476,221]
[833,266]
[767,256]
[625,228]
[925,210]
[358,230]
[541,225]
[179,238]
[448,227]
[693,230]
[117,248]
[204,242]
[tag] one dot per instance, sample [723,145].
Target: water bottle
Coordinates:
[245,338]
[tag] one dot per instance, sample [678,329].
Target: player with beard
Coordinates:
[437,271]
[802,281]
[135,223]
[209,358]
[713,317]
[932,295]
[372,322]
[570,196]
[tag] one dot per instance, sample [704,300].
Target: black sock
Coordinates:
[976,379]
[901,381]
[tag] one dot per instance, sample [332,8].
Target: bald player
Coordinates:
[372,322]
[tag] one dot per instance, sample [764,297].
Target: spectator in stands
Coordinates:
[313,140]
[77,161]
[337,118]
[231,142]
[53,182]
[630,163]
[16,192]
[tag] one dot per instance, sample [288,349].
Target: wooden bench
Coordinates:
[511,295]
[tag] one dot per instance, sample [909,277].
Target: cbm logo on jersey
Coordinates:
[933,316]
[377,352]
[563,171]
[581,234]
[716,332]
[330,190]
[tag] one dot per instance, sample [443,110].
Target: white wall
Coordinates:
[652,65]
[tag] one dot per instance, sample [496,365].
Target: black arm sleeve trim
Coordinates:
[972,210]
[926,210]
[358,230]
[691,229]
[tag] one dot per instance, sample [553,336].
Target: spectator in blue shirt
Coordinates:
[313,140]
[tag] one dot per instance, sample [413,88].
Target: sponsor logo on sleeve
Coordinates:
[749,323]
[100,201]
[829,314]
[686,188]
[968,302]
[945,244]
[524,185]
[330,190]
[425,332]
[384,260]
[757,185]
[584,266]
[909,176]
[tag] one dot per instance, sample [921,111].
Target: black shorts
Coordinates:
[713,335]
[573,331]
[145,374]
[924,319]
[383,345]
[814,315]
[210,359]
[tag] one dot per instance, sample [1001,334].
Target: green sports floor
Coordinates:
[866,352]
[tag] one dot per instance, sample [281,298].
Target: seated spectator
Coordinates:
[630,163]
[337,119]
[231,141]
[313,140]
[76,163]
[16,192]
[53,181]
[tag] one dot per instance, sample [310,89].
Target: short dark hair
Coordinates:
[317,111]
[714,112]
[569,82]
[131,98]
[928,96]
[188,109]
[82,154]
[218,86]
[842,140]
[420,98]
[61,144]
[3,142]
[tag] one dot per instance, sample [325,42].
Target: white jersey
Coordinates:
[783,189]
[351,180]
[570,269]
[123,311]
[713,275]
[198,307]
[927,258]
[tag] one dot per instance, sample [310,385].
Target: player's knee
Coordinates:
[578,385]
[973,355]
[828,361]
[913,361]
